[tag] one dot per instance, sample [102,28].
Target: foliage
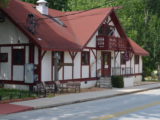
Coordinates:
[56,4]
[117,81]
[141,20]
[4,3]
[6,94]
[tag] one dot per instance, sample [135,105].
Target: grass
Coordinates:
[152,81]
[7,94]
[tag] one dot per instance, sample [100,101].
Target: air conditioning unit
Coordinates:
[29,73]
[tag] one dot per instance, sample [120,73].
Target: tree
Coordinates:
[4,3]
[55,4]
[141,20]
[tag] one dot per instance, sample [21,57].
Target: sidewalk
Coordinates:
[83,97]
[10,108]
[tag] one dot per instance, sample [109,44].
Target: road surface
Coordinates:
[139,106]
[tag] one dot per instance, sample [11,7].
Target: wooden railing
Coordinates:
[111,43]
[122,71]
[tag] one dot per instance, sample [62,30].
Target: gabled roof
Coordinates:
[137,49]
[54,36]
[79,29]
[85,25]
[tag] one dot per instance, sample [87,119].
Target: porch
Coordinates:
[115,53]
[105,42]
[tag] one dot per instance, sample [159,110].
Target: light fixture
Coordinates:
[39,39]
[18,41]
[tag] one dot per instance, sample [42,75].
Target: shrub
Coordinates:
[117,81]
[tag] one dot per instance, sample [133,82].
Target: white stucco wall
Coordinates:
[46,67]
[77,66]
[138,78]
[10,34]
[67,69]
[129,81]
[92,42]
[93,63]
[20,87]
[88,84]
[5,67]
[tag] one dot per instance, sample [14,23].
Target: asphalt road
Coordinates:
[139,106]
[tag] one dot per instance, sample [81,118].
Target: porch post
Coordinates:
[56,58]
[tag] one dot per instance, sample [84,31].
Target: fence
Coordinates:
[122,71]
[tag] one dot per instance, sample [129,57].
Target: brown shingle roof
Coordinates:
[80,27]
[137,49]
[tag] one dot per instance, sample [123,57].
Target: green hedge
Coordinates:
[117,81]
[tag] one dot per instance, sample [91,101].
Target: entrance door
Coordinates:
[106,64]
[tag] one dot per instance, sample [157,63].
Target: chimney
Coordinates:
[42,7]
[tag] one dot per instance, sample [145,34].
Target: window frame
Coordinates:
[62,57]
[123,61]
[105,29]
[136,59]
[6,60]
[23,56]
[88,58]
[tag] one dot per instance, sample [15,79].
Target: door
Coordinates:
[106,64]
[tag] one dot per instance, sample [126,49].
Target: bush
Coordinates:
[117,81]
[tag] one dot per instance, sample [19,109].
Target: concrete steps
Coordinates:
[104,82]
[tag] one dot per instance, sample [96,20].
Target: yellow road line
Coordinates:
[118,114]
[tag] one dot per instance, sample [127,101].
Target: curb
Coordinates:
[92,99]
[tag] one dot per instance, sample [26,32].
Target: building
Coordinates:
[88,44]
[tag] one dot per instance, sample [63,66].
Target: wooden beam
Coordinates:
[43,54]
[93,53]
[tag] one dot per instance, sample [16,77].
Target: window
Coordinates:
[18,56]
[106,29]
[3,57]
[61,57]
[85,58]
[136,59]
[123,61]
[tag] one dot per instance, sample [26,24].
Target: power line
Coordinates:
[79,11]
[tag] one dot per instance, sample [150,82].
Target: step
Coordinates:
[104,82]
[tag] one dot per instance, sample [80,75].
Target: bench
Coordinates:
[44,88]
[50,87]
[39,88]
[73,86]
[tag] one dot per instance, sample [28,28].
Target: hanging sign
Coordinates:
[127,56]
